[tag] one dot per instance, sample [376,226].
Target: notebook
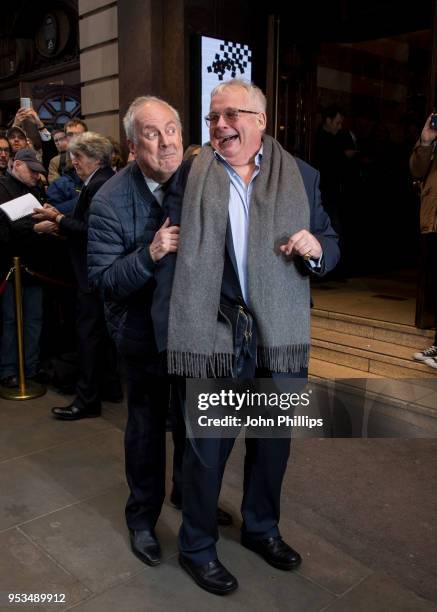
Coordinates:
[20,207]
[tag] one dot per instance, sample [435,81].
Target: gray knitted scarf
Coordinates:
[200,341]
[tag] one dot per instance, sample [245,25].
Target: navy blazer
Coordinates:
[320,226]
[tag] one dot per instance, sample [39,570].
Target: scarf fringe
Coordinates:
[218,365]
[291,358]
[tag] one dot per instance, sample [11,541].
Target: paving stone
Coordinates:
[377,593]
[169,588]
[323,563]
[91,539]
[25,568]
[43,482]
[27,428]
[373,499]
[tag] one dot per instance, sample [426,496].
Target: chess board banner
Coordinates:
[221,60]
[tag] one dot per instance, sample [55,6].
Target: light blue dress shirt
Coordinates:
[239,204]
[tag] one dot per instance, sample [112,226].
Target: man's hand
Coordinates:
[302,243]
[20,116]
[46,213]
[46,227]
[28,113]
[166,240]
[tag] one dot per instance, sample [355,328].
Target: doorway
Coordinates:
[372,61]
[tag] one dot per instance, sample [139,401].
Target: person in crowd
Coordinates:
[191,151]
[423,165]
[63,192]
[118,160]
[330,159]
[18,239]
[60,163]
[29,120]
[98,378]
[57,163]
[17,138]
[5,154]
[266,258]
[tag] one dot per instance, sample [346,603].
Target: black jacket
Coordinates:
[75,226]
[17,238]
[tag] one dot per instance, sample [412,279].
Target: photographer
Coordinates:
[423,166]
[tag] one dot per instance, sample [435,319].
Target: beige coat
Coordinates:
[423,163]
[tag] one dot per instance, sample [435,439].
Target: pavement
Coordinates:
[361,512]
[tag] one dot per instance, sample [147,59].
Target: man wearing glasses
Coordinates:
[254,269]
[57,163]
[60,164]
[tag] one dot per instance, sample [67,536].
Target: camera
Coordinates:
[433,122]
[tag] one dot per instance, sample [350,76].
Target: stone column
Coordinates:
[98,36]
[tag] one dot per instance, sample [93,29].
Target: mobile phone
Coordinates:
[25,103]
[433,122]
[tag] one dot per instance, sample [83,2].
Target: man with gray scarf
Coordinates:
[252,231]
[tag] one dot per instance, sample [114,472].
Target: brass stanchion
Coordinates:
[27,389]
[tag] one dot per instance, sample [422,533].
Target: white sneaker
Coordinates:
[431,362]
[428,353]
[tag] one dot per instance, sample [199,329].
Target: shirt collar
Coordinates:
[85,183]
[155,188]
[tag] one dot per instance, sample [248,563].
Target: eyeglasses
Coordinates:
[4,150]
[230,114]
[154,133]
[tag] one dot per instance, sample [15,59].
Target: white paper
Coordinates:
[20,207]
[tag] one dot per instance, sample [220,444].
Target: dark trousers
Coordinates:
[203,468]
[97,353]
[32,304]
[204,464]
[148,402]
[426,311]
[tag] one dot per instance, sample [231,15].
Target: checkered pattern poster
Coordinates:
[221,60]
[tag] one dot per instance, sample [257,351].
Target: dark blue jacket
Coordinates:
[63,193]
[124,218]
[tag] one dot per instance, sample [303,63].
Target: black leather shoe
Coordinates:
[74,413]
[145,546]
[273,550]
[223,517]
[10,382]
[212,576]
